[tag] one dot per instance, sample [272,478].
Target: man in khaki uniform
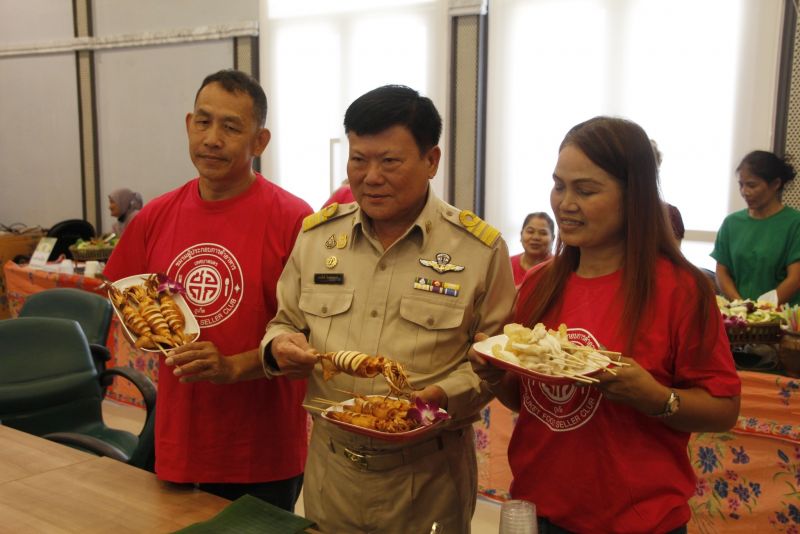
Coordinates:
[403,275]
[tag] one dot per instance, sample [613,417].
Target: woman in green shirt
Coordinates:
[758,248]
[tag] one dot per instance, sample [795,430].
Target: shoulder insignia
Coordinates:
[325,214]
[486,233]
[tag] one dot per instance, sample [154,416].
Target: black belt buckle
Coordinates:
[358,459]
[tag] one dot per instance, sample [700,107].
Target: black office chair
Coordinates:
[50,387]
[68,232]
[92,312]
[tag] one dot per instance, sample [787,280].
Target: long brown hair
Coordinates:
[622,149]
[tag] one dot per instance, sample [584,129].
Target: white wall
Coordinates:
[40,170]
[142,97]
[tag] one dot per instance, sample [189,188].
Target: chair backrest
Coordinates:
[48,381]
[92,311]
[68,232]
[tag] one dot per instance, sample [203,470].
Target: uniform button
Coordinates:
[324,309]
[430,321]
[373,313]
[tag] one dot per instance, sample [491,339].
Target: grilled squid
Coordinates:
[362,365]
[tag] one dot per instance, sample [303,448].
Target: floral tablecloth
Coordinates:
[23,281]
[748,479]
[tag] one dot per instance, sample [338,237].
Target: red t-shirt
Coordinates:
[343,195]
[228,255]
[592,465]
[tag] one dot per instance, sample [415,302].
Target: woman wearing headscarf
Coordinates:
[123,204]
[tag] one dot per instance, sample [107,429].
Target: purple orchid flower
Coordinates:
[165,283]
[426,413]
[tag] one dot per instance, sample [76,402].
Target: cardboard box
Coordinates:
[11,246]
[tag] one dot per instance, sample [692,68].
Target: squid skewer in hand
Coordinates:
[362,365]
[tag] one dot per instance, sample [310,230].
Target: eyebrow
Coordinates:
[225,118]
[580,181]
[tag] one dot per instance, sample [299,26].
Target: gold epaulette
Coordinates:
[315,219]
[486,233]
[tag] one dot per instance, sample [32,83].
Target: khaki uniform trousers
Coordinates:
[402,489]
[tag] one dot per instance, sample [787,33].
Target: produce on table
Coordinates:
[747,312]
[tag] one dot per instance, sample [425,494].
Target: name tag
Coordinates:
[329,278]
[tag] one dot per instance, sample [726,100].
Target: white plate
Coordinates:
[484,348]
[191,328]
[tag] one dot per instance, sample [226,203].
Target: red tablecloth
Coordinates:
[22,281]
[748,479]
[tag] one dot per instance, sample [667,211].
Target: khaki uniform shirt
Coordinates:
[345,292]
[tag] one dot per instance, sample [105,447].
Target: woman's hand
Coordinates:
[698,411]
[634,386]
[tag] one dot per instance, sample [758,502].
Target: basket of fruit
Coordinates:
[750,322]
[95,249]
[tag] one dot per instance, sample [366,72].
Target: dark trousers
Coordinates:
[280,493]
[546,527]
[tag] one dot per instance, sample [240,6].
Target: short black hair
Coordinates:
[393,105]
[540,215]
[236,81]
[768,166]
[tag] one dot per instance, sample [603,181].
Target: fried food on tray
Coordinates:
[152,316]
[377,413]
[362,365]
[548,351]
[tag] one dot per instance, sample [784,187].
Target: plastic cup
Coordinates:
[91,268]
[518,517]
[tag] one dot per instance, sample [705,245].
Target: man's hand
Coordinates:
[435,394]
[294,355]
[474,358]
[201,360]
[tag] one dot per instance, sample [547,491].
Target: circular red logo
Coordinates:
[563,407]
[213,281]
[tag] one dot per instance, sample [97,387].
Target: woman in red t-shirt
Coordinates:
[536,237]
[611,457]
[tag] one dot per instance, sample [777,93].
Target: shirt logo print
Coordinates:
[213,280]
[203,285]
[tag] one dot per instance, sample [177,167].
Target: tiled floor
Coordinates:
[485,520]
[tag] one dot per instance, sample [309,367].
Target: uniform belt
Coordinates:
[372,460]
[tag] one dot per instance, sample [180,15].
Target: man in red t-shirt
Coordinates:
[225,237]
[343,195]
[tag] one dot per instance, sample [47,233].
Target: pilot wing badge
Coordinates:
[441,264]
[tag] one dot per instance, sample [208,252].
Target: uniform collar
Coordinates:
[421,227]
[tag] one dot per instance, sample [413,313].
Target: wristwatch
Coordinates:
[672,405]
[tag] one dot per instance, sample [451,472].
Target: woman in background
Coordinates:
[537,241]
[123,204]
[578,452]
[758,248]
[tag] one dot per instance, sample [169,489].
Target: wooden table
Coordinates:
[47,487]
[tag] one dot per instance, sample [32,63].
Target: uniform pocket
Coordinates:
[432,326]
[324,309]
